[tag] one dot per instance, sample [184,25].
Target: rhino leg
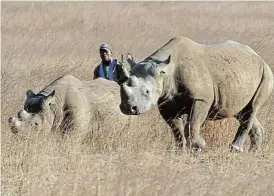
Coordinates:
[197,117]
[239,139]
[177,125]
[255,135]
[246,120]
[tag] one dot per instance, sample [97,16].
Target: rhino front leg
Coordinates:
[82,125]
[178,125]
[198,115]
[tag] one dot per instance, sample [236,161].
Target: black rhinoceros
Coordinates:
[70,104]
[192,82]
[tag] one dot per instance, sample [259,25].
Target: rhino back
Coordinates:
[104,100]
[236,73]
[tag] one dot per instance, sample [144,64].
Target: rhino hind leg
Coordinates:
[240,137]
[249,125]
[256,136]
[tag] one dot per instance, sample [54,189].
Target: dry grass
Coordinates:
[43,40]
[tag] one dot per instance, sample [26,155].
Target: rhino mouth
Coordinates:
[129,110]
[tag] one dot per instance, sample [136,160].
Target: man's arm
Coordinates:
[95,73]
[123,73]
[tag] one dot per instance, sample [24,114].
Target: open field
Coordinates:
[44,40]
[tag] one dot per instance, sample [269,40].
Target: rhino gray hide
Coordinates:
[192,82]
[70,104]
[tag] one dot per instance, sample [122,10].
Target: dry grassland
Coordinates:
[44,40]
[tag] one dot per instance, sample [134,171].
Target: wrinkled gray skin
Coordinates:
[70,104]
[191,82]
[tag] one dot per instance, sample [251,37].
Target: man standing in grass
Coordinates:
[110,68]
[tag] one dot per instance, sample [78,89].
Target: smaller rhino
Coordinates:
[70,104]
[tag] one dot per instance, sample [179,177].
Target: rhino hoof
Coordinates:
[236,148]
[254,149]
[202,143]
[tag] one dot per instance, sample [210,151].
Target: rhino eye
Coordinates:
[27,109]
[146,93]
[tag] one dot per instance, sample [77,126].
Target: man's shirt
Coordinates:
[120,73]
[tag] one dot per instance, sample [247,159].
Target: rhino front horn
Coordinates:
[14,124]
[23,114]
[133,81]
[126,90]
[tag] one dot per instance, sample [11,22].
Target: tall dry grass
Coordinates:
[44,40]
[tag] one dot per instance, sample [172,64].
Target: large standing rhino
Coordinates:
[193,82]
[68,104]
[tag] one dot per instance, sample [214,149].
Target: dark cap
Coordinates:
[106,47]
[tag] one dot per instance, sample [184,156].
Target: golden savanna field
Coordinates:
[44,40]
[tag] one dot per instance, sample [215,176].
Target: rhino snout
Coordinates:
[134,110]
[128,109]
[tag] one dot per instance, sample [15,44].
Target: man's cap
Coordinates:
[106,47]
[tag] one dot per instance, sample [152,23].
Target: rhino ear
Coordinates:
[52,93]
[167,61]
[163,66]
[30,94]
[130,60]
[49,99]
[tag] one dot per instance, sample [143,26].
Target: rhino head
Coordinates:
[144,87]
[37,114]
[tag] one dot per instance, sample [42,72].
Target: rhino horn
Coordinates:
[23,114]
[126,90]
[130,60]
[133,81]
[15,124]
